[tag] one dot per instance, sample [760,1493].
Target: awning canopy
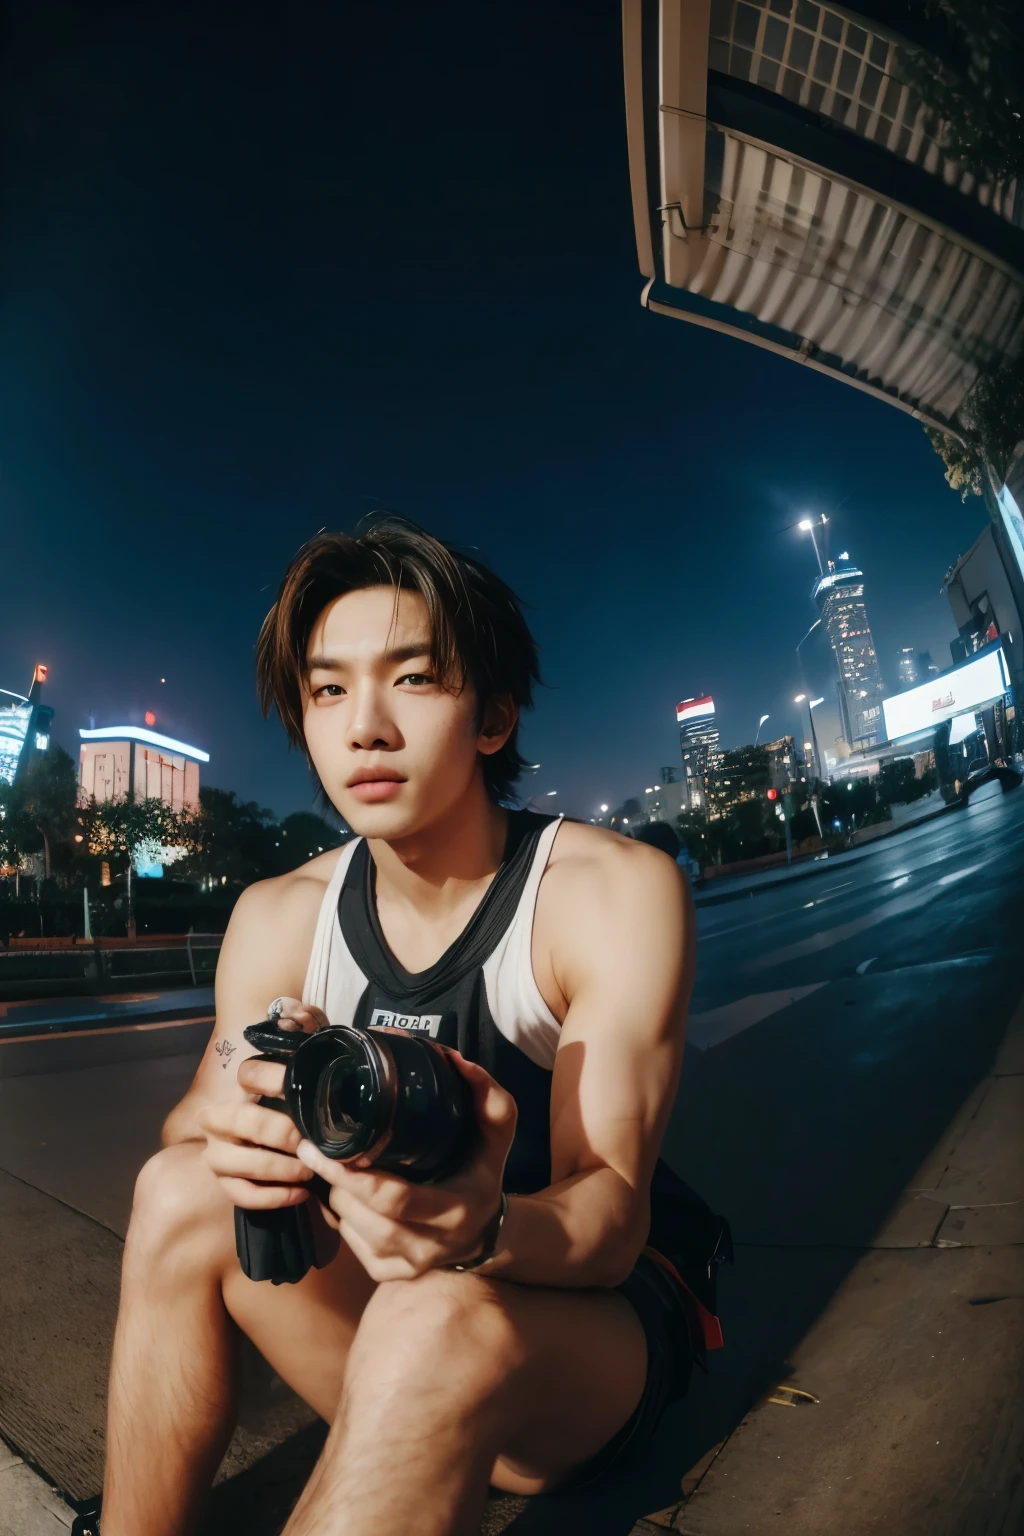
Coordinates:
[789,190]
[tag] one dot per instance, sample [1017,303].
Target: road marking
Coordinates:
[706,1030]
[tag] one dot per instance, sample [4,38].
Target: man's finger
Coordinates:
[261,1077]
[230,1159]
[291,1013]
[252,1124]
[494,1106]
[263,1197]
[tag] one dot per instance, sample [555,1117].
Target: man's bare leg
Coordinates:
[453,1382]
[172,1399]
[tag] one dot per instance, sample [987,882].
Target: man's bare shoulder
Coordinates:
[604,898]
[593,863]
[281,911]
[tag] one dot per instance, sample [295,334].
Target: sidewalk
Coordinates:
[28,1505]
[909,1415]
[731,888]
[40,1017]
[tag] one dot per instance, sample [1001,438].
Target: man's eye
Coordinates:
[416,677]
[334,690]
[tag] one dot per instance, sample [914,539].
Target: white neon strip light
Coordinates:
[136,733]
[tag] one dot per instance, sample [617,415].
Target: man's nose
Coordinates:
[370,724]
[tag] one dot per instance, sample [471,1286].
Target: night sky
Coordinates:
[263,269]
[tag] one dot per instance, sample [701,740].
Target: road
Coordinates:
[839,1023]
[855,1007]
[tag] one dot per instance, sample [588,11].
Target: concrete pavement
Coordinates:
[901,1408]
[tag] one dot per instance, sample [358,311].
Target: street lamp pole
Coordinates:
[806,525]
[812,705]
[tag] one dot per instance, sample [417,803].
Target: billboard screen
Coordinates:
[15,714]
[695,709]
[1013,523]
[976,683]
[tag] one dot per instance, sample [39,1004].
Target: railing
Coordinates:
[190,939]
[846,69]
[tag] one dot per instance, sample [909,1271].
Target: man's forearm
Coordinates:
[584,1231]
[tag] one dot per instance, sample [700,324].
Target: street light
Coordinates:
[806,525]
[759,725]
[812,705]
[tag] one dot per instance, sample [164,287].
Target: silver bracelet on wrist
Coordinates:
[490,1239]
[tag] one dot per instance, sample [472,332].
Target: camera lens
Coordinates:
[381,1092]
[345,1100]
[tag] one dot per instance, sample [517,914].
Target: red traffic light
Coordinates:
[773,794]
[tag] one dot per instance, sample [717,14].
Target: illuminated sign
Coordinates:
[15,717]
[136,733]
[966,687]
[1013,523]
[695,709]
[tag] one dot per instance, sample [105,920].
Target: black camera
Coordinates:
[379,1093]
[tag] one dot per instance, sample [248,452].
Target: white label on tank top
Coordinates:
[429,1023]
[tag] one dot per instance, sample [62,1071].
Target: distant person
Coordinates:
[400,667]
[658,834]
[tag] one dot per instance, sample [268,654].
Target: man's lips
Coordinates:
[375,776]
[371,788]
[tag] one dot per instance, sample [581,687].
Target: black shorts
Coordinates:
[659,1303]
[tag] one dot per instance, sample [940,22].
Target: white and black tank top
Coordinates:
[480,997]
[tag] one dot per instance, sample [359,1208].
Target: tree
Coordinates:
[38,811]
[979,106]
[125,828]
[228,840]
[304,835]
[992,432]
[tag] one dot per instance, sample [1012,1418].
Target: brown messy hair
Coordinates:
[477,629]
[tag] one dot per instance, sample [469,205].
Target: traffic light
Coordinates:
[773,794]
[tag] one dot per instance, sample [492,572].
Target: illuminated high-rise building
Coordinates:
[698,738]
[839,595]
[24,727]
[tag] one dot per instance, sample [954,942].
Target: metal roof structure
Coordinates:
[788,189]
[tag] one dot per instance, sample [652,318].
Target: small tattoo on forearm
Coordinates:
[225,1050]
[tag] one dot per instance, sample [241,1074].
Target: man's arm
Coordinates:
[263,956]
[624,958]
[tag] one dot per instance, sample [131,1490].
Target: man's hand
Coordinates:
[250,1148]
[399,1230]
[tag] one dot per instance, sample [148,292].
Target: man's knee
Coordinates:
[442,1327]
[179,1216]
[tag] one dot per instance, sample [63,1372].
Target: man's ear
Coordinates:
[499,721]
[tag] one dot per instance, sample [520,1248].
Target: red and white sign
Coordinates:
[695,709]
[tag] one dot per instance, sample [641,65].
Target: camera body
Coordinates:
[380,1093]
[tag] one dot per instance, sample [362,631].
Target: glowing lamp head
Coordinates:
[805,525]
[149,717]
[773,794]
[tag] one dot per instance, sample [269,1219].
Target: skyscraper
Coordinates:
[914,667]
[906,668]
[839,595]
[698,738]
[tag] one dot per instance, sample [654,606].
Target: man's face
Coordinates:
[394,750]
